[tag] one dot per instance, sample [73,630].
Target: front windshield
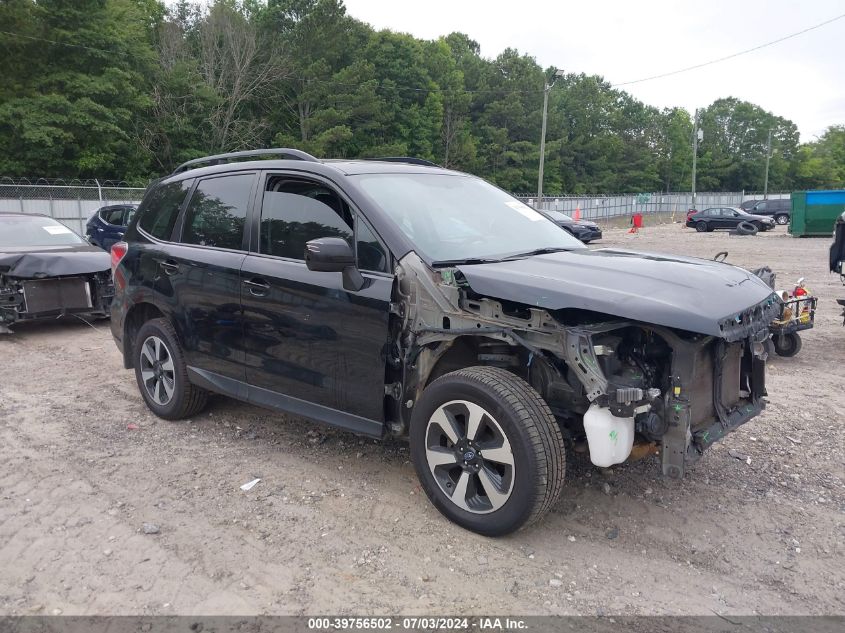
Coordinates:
[461,217]
[35,230]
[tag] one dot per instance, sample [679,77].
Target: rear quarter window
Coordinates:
[161,208]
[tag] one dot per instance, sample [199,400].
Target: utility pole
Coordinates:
[694,153]
[546,90]
[768,156]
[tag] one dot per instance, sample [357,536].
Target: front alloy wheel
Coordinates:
[469,456]
[487,450]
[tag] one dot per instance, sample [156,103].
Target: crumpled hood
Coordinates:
[53,261]
[688,293]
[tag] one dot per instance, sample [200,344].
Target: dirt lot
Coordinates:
[339,525]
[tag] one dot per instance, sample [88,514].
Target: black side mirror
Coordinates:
[334,255]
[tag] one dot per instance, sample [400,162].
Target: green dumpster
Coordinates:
[815,212]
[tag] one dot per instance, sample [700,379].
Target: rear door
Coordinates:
[203,268]
[305,335]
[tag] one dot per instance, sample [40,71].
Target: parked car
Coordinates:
[584,230]
[780,209]
[47,270]
[346,292]
[108,224]
[727,218]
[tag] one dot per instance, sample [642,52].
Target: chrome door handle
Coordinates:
[257,287]
[170,268]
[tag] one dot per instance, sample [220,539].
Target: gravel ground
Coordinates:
[105,509]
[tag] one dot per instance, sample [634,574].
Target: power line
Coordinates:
[43,39]
[726,57]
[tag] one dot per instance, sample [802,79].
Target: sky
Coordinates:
[801,79]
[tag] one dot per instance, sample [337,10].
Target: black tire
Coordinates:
[746,228]
[787,345]
[782,219]
[701,227]
[186,399]
[524,420]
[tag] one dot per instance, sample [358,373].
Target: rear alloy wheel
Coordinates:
[487,450]
[162,375]
[701,227]
[782,219]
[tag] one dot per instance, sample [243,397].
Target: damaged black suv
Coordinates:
[396,298]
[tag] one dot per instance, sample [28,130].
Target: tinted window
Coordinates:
[710,212]
[371,254]
[161,207]
[295,211]
[113,216]
[216,213]
[761,206]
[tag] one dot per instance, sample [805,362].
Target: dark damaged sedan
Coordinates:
[48,271]
[404,300]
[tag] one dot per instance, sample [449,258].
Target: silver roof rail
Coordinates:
[411,160]
[225,158]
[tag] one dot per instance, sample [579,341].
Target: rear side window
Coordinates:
[216,213]
[161,209]
[113,216]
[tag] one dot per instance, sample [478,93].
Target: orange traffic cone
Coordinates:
[577,214]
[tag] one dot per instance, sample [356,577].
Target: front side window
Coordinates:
[372,255]
[452,217]
[216,214]
[161,208]
[296,211]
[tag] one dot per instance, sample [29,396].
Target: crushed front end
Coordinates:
[620,387]
[23,299]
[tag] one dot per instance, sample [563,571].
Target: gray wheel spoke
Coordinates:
[497,497]
[439,457]
[147,375]
[157,343]
[148,352]
[475,414]
[500,455]
[167,365]
[446,424]
[459,496]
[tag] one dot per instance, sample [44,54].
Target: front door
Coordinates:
[306,336]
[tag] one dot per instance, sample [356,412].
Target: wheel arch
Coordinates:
[135,318]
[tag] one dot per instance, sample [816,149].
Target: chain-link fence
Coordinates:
[603,207]
[73,202]
[70,202]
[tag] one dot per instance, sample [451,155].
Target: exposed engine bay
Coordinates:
[51,285]
[626,386]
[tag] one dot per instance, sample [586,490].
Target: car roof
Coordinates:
[327,167]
